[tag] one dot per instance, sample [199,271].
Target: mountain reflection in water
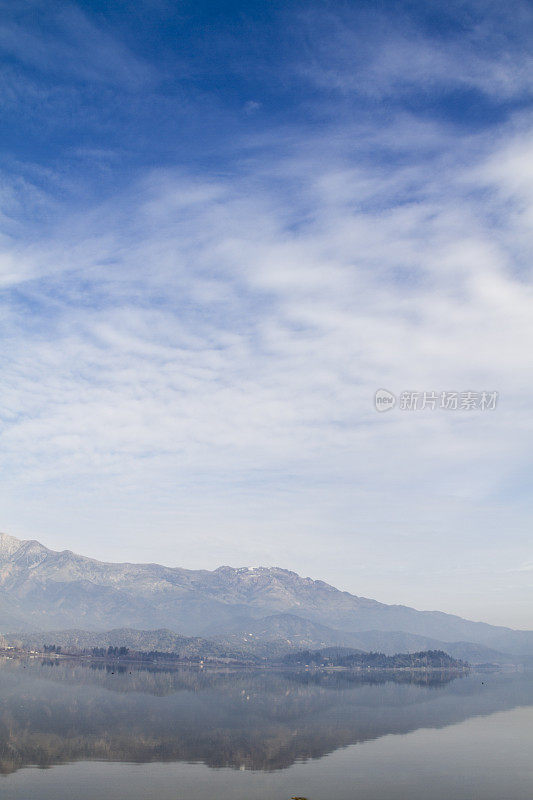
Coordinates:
[58,712]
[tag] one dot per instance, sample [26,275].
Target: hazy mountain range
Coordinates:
[241,608]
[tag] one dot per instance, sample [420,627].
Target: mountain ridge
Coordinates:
[44,589]
[275,638]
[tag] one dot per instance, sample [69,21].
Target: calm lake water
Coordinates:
[74,732]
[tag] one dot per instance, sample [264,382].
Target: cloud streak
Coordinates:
[198,350]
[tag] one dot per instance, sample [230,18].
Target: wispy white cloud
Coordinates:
[67,44]
[484,50]
[200,352]
[201,319]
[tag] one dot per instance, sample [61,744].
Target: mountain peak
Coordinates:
[9,545]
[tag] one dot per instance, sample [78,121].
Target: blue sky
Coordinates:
[223,227]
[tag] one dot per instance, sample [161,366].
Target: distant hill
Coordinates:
[390,642]
[163,641]
[269,642]
[340,657]
[284,633]
[41,589]
[281,633]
